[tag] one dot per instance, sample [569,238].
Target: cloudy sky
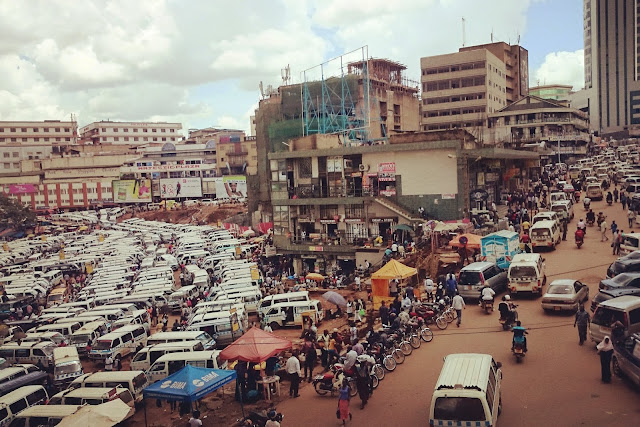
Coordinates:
[199,62]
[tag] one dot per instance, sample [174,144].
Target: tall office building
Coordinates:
[612,64]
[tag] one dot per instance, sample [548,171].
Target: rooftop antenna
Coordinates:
[518,39]
[286,75]
[463,33]
[261,89]
[492,35]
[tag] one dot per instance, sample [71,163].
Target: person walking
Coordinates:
[428,288]
[363,380]
[384,313]
[603,229]
[358,283]
[343,402]
[631,217]
[617,241]
[582,322]
[310,357]
[293,369]
[605,350]
[452,285]
[108,364]
[614,228]
[458,304]
[623,200]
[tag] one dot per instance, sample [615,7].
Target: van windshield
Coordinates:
[80,339]
[458,409]
[68,368]
[520,271]
[542,232]
[102,345]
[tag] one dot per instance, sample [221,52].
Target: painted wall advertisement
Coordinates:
[174,188]
[387,171]
[131,191]
[231,187]
[22,188]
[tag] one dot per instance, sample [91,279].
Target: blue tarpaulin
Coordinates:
[189,384]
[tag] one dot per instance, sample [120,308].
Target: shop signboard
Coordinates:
[174,188]
[231,187]
[389,219]
[22,188]
[387,171]
[131,191]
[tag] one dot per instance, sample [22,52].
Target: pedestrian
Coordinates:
[409,292]
[353,332]
[267,328]
[458,304]
[108,364]
[343,402]
[617,241]
[582,321]
[349,308]
[428,288]
[310,357]
[363,381]
[452,285]
[384,313]
[357,280]
[293,369]
[614,228]
[623,200]
[631,216]
[605,350]
[356,313]
[195,421]
[603,229]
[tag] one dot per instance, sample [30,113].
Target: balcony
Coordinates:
[315,192]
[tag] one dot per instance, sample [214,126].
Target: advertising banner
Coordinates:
[132,191]
[22,188]
[231,187]
[173,188]
[387,171]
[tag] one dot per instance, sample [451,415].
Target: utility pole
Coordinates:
[463,33]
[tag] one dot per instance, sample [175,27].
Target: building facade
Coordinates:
[532,121]
[560,94]
[131,133]
[460,89]
[612,65]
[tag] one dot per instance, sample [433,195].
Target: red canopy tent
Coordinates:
[255,346]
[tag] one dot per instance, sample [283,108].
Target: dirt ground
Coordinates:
[209,215]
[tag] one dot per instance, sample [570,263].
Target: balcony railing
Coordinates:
[309,192]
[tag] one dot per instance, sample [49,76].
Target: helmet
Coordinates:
[507,298]
[272,414]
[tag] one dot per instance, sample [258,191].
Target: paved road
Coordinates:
[558,383]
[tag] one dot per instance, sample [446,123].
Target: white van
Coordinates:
[468,391]
[149,354]
[66,327]
[173,362]
[291,313]
[544,234]
[18,400]
[54,277]
[134,380]
[527,273]
[85,337]
[165,337]
[92,396]
[218,325]
[44,415]
[28,352]
[270,300]
[116,344]
[249,296]
[181,295]
[66,365]
[630,243]
[594,191]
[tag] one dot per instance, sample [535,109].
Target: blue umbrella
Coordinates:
[335,298]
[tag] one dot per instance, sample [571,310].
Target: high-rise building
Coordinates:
[460,89]
[612,65]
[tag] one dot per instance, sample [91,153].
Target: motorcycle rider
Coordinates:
[586,203]
[507,309]
[579,235]
[519,336]
[487,294]
[600,218]
[582,226]
[609,197]
[591,217]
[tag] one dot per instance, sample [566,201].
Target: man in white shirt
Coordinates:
[458,304]
[357,280]
[488,294]
[293,369]
[195,421]
[108,364]
[428,288]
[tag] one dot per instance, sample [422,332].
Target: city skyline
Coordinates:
[176,62]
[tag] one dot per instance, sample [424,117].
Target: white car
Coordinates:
[191,202]
[209,202]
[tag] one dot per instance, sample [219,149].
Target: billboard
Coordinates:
[173,188]
[131,191]
[22,188]
[231,187]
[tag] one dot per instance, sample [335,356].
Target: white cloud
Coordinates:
[159,59]
[561,68]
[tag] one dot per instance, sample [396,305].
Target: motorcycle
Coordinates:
[510,320]
[487,305]
[518,351]
[587,205]
[329,382]
[609,201]
[579,242]
[590,222]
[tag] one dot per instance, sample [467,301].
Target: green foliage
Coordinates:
[15,215]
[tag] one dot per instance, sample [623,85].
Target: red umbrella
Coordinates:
[255,346]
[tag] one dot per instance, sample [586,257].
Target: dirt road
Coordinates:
[558,383]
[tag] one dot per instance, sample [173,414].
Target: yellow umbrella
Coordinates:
[315,276]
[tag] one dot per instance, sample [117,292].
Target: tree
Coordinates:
[13,214]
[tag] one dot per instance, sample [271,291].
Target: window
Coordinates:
[3,413]
[145,130]
[458,409]
[23,129]
[67,129]
[6,155]
[18,406]
[115,129]
[37,396]
[13,129]
[154,130]
[125,130]
[163,130]
[57,129]
[634,316]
